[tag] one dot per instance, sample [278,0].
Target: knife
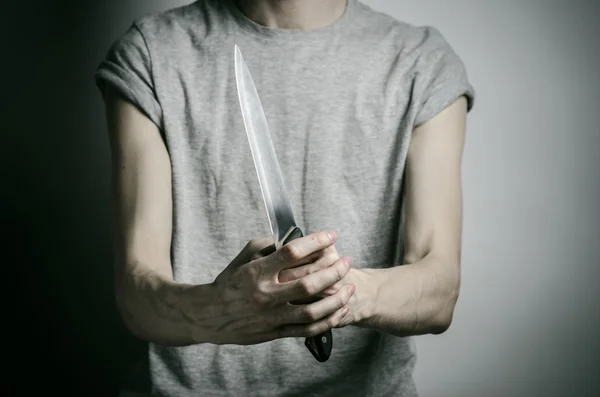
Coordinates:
[277,203]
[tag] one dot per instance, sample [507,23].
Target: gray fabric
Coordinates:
[341,102]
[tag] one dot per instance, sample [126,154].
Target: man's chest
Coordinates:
[339,131]
[320,112]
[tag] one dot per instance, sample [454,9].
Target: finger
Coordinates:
[266,251]
[331,290]
[313,283]
[251,247]
[312,312]
[346,320]
[307,260]
[334,288]
[291,254]
[321,295]
[324,259]
[313,329]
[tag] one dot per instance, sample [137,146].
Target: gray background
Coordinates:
[526,323]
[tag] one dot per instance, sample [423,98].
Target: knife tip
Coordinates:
[238,55]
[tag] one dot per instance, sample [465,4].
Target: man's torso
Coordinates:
[340,104]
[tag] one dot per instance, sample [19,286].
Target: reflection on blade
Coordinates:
[279,210]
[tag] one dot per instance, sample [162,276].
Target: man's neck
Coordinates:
[293,14]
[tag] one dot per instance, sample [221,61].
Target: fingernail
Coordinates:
[348,261]
[352,288]
[332,235]
[345,311]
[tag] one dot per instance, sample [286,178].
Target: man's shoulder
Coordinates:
[385,21]
[193,18]
[378,25]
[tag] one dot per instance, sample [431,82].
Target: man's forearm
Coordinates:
[159,310]
[411,299]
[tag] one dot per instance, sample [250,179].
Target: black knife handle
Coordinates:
[320,346]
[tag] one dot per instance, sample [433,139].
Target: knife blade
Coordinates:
[278,207]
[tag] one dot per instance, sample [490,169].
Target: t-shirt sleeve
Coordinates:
[127,68]
[442,77]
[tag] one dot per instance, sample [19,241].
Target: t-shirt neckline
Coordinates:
[279,34]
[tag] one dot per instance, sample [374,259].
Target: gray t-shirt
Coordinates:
[341,102]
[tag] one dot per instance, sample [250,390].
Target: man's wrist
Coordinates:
[404,300]
[367,283]
[196,303]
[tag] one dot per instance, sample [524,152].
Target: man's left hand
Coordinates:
[359,302]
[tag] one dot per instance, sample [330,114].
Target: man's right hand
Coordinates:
[253,306]
[247,303]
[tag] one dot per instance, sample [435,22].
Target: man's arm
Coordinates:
[146,295]
[245,304]
[419,297]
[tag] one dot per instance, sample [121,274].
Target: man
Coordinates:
[368,120]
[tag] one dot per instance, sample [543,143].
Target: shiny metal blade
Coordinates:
[279,209]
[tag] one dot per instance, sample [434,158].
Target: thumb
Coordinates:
[254,249]
[265,251]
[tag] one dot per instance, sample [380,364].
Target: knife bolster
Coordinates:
[292,234]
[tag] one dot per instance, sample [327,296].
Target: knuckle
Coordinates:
[290,252]
[262,299]
[306,287]
[259,299]
[313,269]
[253,272]
[309,313]
[333,322]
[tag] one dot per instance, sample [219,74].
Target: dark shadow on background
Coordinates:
[63,329]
